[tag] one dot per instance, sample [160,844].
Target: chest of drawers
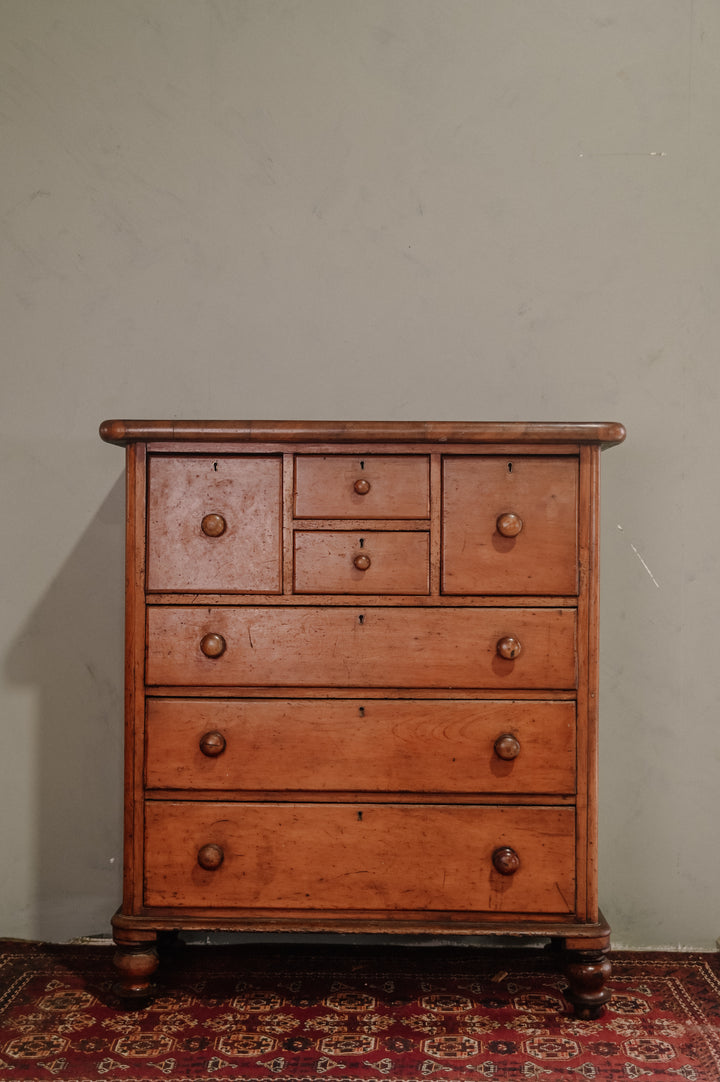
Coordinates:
[361,683]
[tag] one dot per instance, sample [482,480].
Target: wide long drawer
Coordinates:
[361,647]
[351,745]
[358,857]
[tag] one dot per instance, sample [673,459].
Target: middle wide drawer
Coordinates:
[383,647]
[353,745]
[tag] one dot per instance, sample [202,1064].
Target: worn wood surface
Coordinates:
[361,647]
[440,432]
[243,494]
[369,486]
[361,562]
[148,919]
[136,493]
[361,856]
[540,554]
[356,744]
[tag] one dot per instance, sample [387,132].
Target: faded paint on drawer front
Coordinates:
[354,647]
[244,497]
[352,744]
[360,856]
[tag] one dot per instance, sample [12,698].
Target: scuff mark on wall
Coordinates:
[637,553]
[625,154]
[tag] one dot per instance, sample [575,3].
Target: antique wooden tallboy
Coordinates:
[362,670]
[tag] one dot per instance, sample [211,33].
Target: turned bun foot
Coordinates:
[135,964]
[587,973]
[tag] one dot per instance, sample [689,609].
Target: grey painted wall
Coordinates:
[399,209]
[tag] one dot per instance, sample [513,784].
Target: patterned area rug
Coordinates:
[353,1013]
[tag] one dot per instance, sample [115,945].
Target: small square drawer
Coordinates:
[214,523]
[357,745]
[368,562]
[401,857]
[510,525]
[362,487]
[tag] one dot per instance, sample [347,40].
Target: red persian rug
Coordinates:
[353,1013]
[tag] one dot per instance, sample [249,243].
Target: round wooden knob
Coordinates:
[509,647]
[212,645]
[210,857]
[361,561]
[212,744]
[505,860]
[509,525]
[213,525]
[507,746]
[362,487]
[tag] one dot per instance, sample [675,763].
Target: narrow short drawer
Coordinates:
[350,857]
[375,646]
[368,562]
[509,525]
[214,523]
[352,745]
[362,487]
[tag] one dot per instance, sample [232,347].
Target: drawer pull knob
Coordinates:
[212,744]
[361,561]
[505,860]
[362,487]
[212,645]
[210,857]
[509,525]
[509,647]
[213,525]
[507,746]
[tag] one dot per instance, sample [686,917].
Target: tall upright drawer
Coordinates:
[509,525]
[362,487]
[382,646]
[214,523]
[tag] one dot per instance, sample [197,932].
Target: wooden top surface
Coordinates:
[605,433]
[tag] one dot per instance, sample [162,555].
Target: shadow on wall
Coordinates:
[71,652]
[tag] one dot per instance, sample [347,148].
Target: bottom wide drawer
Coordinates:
[379,857]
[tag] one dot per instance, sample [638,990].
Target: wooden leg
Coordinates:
[136,960]
[587,971]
